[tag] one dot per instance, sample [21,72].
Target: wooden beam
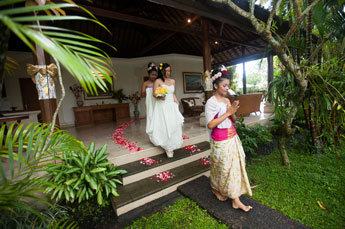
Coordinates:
[246,58]
[234,46]
[156,42]
[197,7]
[221,29]
[162,38]
[244,73]
[269,71]
[155,24]
[206,49]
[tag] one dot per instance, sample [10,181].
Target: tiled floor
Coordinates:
[102,133]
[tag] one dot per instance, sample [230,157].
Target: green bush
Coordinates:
[252,136]
[83,175]
[55,216]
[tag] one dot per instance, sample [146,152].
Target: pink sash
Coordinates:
[218,134]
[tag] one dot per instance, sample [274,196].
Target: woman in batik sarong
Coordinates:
[228,174]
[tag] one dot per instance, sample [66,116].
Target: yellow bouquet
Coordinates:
[161,91]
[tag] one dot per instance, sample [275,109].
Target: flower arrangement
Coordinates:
[77,90]
[135,98]
[119,95]
[161,91]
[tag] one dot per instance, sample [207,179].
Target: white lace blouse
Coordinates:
[212,108]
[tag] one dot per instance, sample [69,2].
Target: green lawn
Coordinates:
[295,191]
[184,213]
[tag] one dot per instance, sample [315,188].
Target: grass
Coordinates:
[184,213]
[295,191]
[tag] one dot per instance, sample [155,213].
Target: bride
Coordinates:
[167,121]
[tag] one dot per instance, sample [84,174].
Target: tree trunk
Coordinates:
[4,37]
[282,150]
[310,97]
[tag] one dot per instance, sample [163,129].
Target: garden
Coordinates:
[50,179]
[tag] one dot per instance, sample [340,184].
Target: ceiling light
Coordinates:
[189,20]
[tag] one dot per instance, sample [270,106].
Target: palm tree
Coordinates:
[29,151]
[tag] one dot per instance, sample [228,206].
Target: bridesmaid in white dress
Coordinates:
[166,120]
[146,91]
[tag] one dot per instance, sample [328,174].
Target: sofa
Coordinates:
[248,103]
[192,106]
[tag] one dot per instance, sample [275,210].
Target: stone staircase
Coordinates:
[139,185]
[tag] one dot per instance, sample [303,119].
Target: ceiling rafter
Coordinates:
[152,23]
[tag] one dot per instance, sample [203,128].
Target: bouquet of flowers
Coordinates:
[134,98]
[161,91]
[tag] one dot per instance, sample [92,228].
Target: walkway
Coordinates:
[260,216]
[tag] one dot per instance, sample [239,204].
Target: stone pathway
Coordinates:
[260,216]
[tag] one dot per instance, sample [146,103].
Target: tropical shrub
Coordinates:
[83,175]
[26,153]
[56,216]
[252,136]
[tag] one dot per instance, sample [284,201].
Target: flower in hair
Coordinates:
[219,74]
[160,66]
[152,66]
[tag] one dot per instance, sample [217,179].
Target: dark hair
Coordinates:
[162,71]
[151,67]
[219,70]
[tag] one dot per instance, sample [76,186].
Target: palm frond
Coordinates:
[75,51]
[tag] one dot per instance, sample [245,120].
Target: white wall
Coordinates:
[129,77]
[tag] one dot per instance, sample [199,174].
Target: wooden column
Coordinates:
[206,52]
[244,73]
[48,106]
[269,70]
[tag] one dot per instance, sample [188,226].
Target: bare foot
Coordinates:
[219,196]
[237,204]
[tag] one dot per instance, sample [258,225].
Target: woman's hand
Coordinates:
[233,108]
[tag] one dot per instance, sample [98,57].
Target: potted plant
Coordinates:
[135,98]
[119,95]
[77,91]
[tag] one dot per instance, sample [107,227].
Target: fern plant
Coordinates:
[252,136]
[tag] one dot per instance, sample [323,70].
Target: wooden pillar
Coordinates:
[48,106]
[244,73]
[206,52]
[269,70]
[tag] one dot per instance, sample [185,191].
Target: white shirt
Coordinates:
[212,108]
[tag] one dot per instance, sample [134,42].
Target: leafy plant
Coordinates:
[53,217]
[74,50]
[252,136]
[26,152]
[119,95]
[83,175]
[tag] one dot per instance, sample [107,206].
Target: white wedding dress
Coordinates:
[166,123]
[150,103]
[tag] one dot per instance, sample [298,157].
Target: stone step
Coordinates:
[150,152]
[146,190]
[137,171]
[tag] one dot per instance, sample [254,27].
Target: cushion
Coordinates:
[198,102]
[190,103]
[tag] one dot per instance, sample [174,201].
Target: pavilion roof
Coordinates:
[156,27]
